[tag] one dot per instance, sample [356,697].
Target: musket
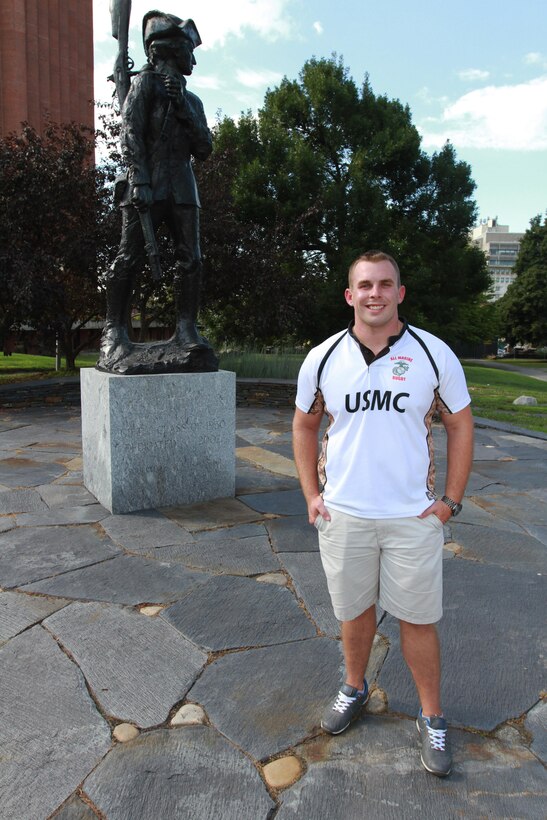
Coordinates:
[120,12]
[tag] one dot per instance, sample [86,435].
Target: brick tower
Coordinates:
[46,63]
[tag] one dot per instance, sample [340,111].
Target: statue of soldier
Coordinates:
[163,127]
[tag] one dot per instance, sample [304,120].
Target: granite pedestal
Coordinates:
[158,440]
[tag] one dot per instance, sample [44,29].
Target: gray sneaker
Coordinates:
[345,708]
[436,757]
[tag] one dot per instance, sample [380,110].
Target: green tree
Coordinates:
[523,308]
[333,170]
[56,231]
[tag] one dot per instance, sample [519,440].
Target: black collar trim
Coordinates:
[368,355]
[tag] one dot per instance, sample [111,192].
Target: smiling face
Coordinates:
[375,294]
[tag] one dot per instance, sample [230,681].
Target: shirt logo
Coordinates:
[400,369]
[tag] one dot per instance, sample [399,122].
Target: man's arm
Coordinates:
[459,451]
[305,431]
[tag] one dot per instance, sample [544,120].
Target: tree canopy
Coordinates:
[56,230]
[326,171]
[523,308]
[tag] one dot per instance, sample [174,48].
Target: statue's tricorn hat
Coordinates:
[156,25]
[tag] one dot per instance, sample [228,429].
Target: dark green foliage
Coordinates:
[327,171]
[55,232]
[523,308]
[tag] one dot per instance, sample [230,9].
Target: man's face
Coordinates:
[184,57]
[375,295]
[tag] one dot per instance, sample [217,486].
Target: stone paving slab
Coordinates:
[288,502]
[479,484]
[493,645]
[7,522]
[516,551]
[474,513]
[72,477]
[52,733]
[191,773]
[540,533]
[269,459]
[236,556]
[306,571]
[137,667]
[27,472]
[219,513]
[90,514]
[252,479]
[514,474]
[293,534]
[536,724]
[275,432]
[30,554]
[230,612]
[18,612]
[126,579]
[59,496]
[139,532]
[75,809]
[20,501]
[523,508]
[266,700]
[238,531]
[374,770]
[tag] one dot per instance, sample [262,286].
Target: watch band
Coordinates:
[454,506]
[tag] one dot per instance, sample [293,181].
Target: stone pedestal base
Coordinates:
[159,440]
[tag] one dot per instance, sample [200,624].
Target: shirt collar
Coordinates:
[368,355]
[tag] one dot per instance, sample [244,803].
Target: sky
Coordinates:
[472,73]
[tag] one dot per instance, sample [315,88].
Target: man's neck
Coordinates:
[376,338]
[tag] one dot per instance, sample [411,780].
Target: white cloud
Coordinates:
[424,95]
[473,75]
[215,19]
[257,79]
[511,117]
[536,59]
[210,82]
[318,27]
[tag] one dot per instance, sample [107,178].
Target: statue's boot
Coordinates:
[198,352]
[115,346]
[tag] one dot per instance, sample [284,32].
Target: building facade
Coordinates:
[46,63]
[501,248]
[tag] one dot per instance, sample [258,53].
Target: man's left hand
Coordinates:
[440,509]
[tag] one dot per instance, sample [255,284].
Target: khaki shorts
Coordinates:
[395,562]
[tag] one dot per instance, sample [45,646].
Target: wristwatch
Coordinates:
[454,506]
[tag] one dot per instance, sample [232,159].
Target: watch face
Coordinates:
[456,510]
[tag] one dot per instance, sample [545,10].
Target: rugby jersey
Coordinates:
[376,458]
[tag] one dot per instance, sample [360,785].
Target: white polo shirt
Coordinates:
[377,453]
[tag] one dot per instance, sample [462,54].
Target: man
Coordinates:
[380,522]
[163,127]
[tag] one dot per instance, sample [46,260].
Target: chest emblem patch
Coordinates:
[400,368]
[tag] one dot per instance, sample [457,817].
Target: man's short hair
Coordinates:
[374,256]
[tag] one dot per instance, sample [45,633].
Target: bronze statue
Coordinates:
[163,128]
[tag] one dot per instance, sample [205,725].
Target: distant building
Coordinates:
[46,63]
[501,248]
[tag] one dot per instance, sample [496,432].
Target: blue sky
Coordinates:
[473,73]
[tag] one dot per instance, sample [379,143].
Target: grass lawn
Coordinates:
[20,366]
[493,392]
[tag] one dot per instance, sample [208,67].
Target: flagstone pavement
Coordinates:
[175,663]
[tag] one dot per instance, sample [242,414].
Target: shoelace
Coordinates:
[437,738]
[342,702]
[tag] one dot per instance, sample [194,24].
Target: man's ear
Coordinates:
[402,291]
[348,296]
